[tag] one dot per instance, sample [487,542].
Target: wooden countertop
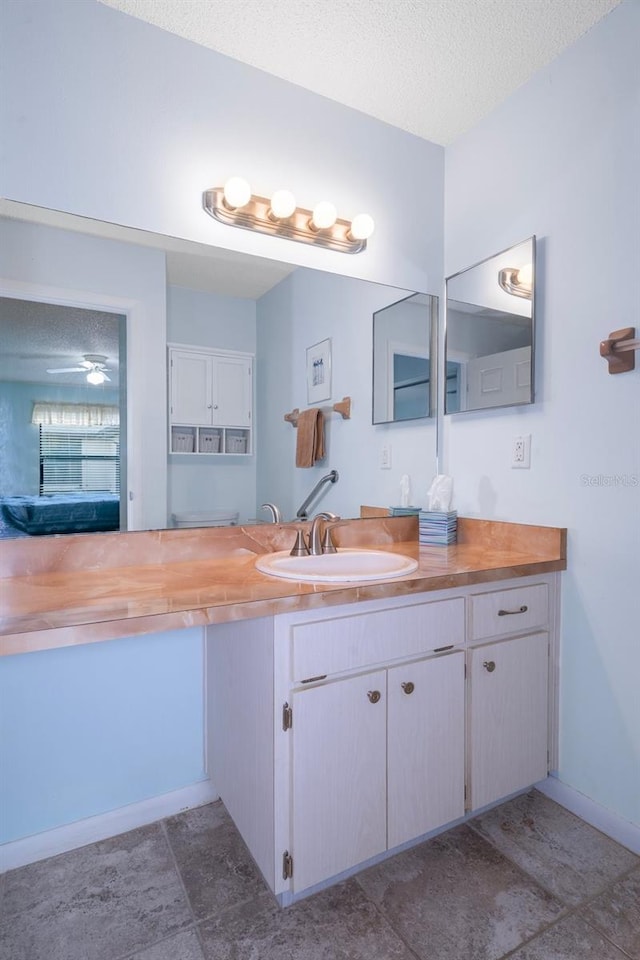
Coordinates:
[203,577]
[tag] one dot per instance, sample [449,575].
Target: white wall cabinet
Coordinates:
[338,735]
[211,401]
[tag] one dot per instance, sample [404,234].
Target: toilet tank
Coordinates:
[205,518]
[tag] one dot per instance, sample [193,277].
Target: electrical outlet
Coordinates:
[385,457]
[521,452]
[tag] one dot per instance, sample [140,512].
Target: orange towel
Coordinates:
[310,440]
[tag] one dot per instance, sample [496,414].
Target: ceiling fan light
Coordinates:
[95,377]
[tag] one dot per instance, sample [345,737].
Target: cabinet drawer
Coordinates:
[508,611]
[331,646]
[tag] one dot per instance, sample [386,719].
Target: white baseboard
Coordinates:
[18,853]
[622,831]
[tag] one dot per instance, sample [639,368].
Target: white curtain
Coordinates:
[75,415]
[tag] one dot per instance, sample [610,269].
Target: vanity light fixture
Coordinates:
[278,216]
[517,282]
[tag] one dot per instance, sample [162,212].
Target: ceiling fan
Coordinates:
[94,365]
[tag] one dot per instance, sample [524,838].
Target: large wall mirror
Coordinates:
[73,290]
[489,332]
[403,360]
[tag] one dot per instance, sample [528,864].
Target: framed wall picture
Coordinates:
[319,372]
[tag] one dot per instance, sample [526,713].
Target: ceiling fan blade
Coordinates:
[68,370]
[104,374]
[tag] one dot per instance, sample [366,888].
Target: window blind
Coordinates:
[79,459]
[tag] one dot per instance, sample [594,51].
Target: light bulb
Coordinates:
[361,227]
[237,193]
[525,275]
[95,377]
[283,203]
[324,216]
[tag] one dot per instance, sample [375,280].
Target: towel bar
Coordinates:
[618,343]
[343,407]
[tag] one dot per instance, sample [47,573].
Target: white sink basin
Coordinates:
[346,564]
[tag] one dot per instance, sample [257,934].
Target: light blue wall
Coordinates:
[211,320]
[306,308]
[88,729]
[212,483]
[20,439]
[560,159]
[173,119]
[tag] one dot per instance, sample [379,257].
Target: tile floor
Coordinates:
[527,880]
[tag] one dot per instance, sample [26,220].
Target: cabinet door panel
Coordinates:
[425,746]
[508,716]
[190,388]
[232,392]
[339,774]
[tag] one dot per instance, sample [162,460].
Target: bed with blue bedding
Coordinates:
[59,513]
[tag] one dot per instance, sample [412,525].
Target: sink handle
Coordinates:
[328,546]
[300,548]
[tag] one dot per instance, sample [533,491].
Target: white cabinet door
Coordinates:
[339,776]
[425,746]
[191,387]
[508,717]
[231,391]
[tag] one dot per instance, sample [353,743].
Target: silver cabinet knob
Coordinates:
[374,695]
[408,687]
[489,666]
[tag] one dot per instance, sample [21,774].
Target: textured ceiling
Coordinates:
[38,336]
[432,67]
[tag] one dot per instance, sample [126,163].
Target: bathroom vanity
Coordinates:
[344,720]
[337,736]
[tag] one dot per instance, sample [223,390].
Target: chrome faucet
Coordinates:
[276,516]
[316,544]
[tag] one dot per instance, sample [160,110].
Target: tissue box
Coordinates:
[438,528]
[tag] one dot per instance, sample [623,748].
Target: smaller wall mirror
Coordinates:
[489,328]
[403,360]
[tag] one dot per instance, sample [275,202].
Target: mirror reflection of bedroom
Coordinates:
[62,419]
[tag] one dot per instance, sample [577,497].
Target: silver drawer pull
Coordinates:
[489,665]
[512,613]
[374,695]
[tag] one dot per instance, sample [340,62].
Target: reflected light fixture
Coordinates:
[518,282]
[278,216]
[96,377]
